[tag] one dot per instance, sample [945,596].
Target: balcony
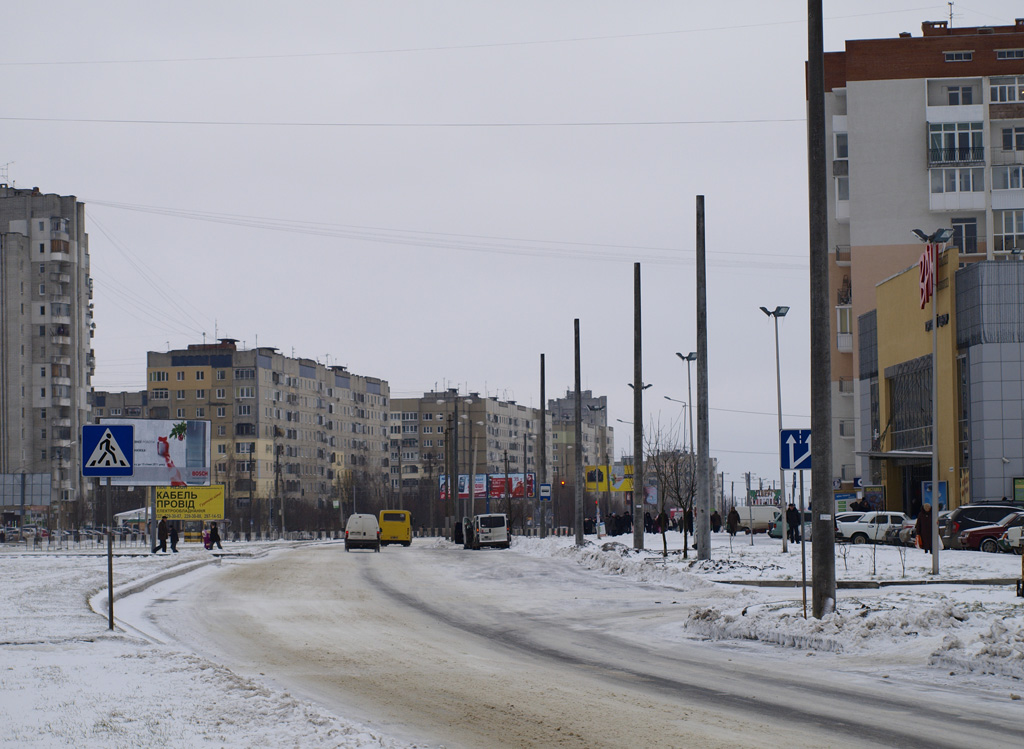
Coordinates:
[60,340]
[846,428]
[846,386]
[964,155]
[844,342]
[843,256]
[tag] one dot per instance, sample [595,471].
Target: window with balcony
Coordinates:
[844,329]
[1009,230]
[951,142]
[1007,89]
[959,96]
[962,179]
[1006,177]
[842,146]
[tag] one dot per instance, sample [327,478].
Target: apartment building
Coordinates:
[490,432]
[46,326]
[598,437]
[284,429]
[922,133]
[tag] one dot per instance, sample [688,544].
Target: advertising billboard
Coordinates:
[168,452]
[190,502]
[764,497]
[515,481]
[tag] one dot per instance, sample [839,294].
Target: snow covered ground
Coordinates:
[66,680]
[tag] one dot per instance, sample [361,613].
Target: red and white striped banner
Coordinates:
[927,265]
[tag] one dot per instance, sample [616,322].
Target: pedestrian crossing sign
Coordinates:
[108,450]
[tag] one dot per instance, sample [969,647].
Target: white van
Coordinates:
[362,532]
[756,518]
[491,530]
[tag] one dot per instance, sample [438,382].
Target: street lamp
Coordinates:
[676,400]
[932,242]
[777,313]
[690,357]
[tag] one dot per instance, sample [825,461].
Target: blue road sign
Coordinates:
[108,450]
[795,449]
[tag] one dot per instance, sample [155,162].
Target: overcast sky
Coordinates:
[431,192]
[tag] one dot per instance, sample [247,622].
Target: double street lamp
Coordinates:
[690,357]
[777,313]
[933,242]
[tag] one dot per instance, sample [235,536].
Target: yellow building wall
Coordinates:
[901,337]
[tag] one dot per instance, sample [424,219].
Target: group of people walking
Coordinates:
[169,532]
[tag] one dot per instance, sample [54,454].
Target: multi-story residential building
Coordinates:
[490,432]
[922,133]
[46,360]
[598,437]
[123,405]
[287,431]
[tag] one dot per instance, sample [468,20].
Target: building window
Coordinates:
[959,95]
[222,449]
[843,318]
[200,394]
[955,141]
[181,413]
[180,376]
[842,188]
[221,430]
[842,146]
[179,395]
[245,392]
[161,394]
[1013,138]
[243,409]
[158,377]
[220,374]
[1009,230]
[1006,177]
[200,374]
[222,412]
[965,235]
[245,374]
[958,180]
[1010,54]
[220,394]
[959,56]
[200,413]
[1007,89]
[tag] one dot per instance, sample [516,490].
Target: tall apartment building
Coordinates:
[46,360]
[922,133]
[598,437]
[489,432]
[283,428]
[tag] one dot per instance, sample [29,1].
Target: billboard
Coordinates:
[168,452]
[491,485]
[764,497]
[190,502]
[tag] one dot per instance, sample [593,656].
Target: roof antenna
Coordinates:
[4,172]
[950,4]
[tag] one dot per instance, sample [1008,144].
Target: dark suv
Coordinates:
[972,516]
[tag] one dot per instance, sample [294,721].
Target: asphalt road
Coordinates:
[455,648]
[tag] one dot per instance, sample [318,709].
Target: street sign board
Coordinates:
[545,492]
[108,450]
[795,449]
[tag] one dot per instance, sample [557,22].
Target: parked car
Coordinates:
[1010,540]
[775,526]
[491,529]
[965,517]
[869,527]
[986,537]
[756,518]
[362,531]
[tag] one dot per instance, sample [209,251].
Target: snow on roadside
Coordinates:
[67,680]
[957,624]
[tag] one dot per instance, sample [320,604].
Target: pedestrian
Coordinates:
[923,528]
[173,534]
[161,535]
[793,523]
[215,537]
[688,522]
[732,521]
[716,522]
[648,523]
[662,522]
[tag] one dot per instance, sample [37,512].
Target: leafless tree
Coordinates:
[673,471]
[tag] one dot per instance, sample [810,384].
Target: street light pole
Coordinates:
[933,241]
[777,313]
[690,357]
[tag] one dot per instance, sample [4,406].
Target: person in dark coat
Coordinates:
[793,523]
[173,535]
[923,527]
[688,521]
[732,521]
[161,535]
[716,522]
[215,536]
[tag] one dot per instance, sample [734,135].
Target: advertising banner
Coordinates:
[875,497]
[597,478]
[515,480]
[844,500]
[622,479]
[764,497]
[168,453]
[1018,490]
[190,502]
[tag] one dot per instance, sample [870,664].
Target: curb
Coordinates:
[873,584]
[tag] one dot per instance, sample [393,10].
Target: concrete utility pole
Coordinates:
[542,470]
[702,528]
[638,418]
[579,441]
[823,562]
